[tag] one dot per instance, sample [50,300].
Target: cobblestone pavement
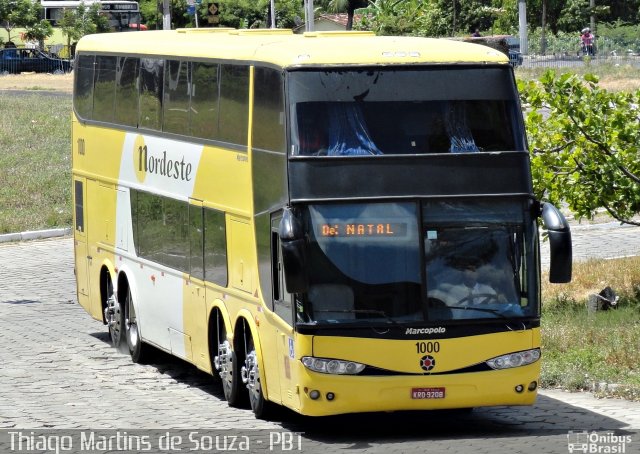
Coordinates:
[605,241]
[59,373]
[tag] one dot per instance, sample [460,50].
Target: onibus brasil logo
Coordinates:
[594,442]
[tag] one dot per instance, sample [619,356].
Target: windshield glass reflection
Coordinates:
[366,262]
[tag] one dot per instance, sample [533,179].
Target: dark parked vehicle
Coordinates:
[515,56]
[507,44]
[15,60]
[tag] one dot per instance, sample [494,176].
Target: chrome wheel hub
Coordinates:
[112,317]
[224,361]
[251,374]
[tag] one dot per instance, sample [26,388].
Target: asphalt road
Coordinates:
[59,377]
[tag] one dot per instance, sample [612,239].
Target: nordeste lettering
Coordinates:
[167,167]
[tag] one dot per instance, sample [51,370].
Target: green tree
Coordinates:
[83,20]
[150,14]
[289,13]
[241,14]
[396,17]
[94,17]
[585,143]
[39,31]
[506,22]
[348,6]
[18,13]
[71,25]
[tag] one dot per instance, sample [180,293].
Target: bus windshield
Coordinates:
[366,262]
[436,109]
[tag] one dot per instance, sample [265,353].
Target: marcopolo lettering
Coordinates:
[438,330]
[167,167]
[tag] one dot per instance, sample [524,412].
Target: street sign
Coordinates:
[213,13]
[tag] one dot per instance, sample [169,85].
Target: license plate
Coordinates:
[427,393]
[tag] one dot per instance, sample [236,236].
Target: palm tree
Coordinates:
[339,6]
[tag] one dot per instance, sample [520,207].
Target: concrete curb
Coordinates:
[34,235]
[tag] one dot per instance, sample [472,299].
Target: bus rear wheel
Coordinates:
[226,363]
[252,379]
[137,349]
[113,316]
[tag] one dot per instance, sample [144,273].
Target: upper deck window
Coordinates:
[349,112]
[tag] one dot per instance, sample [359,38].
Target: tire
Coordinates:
[226,362]
[252,379]
[138,350]
[114,316]
[58,72]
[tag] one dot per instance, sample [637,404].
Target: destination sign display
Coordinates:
[119,7]
[363,229]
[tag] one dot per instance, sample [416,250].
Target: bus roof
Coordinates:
[283,48]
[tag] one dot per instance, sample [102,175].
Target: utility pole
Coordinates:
[453,32]
[522,14]
[273,14]
[308,15]
[543,37]
[592,24]
[166,15]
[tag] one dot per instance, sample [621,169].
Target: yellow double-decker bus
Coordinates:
[332,222]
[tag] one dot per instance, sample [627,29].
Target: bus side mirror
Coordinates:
[560,244]
[294,256]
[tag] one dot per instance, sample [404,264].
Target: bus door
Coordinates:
[82,257]
[283,321]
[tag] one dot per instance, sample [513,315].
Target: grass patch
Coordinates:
[613,76]
[35,163]
[593,351]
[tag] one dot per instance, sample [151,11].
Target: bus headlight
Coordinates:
[514,359]
[332,366]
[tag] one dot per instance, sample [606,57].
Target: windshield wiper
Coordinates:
[480,309]
[361,311]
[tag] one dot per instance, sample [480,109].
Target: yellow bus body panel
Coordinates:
[288,50]
[354,394]
[403,356]
[392,390]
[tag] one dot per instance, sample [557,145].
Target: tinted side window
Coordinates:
[148,219]
[104,88]
[282,300]
[83,86]
[204,100]
[160,229]
[79,205]
[175,234]
[127,91]
[176,97]
[196,241]
[151,75]
[215,247]
[234,104]
[268,110]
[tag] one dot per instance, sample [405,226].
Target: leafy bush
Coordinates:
[584,144]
